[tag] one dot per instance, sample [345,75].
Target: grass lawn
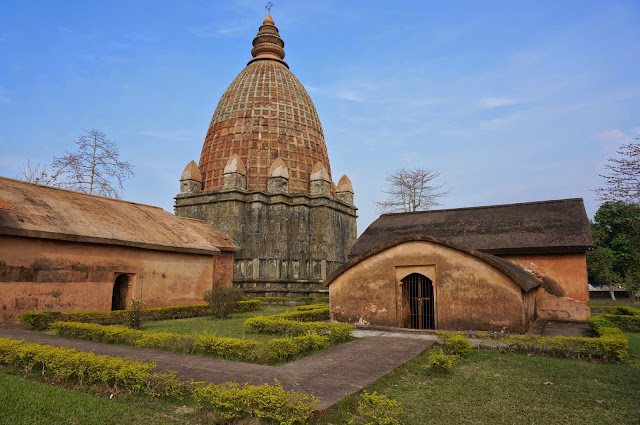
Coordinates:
[231,327]
[24,401]
[493,388]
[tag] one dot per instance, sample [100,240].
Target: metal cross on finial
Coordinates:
[268,7]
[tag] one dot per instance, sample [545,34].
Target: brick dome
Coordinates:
[265,114]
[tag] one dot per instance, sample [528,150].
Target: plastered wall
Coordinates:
[49,275]
[564,293]
[469,293]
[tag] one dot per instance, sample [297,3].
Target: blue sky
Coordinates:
[512,101]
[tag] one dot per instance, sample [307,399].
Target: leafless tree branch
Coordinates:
[94,167]
[412,190]
[622,178]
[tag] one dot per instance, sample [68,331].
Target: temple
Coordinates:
[265,179]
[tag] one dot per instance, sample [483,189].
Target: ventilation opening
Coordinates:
[418,297]
[120,292]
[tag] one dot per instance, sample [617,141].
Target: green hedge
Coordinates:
[609,345]
[624,321]
[274,351]
[229,401]
[611,309]
[305,314]
[69,365]
[337,332]
[282,349]
[41,321]
[224,348]
[273,300]
[267,403]
[626,318]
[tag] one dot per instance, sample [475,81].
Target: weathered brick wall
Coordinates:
[287,244]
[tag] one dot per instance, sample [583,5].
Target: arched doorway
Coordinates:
[120,290]
[417,291]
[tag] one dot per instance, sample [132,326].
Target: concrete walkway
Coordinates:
[330,375]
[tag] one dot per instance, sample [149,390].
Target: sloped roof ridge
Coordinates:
[520,277]
[81,193]
[550,201]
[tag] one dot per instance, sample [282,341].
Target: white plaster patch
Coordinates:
[362,321]
[322,174]
[232,166]
[280,171]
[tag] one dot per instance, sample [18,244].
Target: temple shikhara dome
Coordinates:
[264,178]
[265,114]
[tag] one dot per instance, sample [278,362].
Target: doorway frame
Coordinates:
[401,272]
[130,287]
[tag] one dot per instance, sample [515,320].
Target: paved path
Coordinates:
[330,375]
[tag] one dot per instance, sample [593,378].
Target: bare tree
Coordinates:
[37,172]
[94,167]
[622,181]
[412,190]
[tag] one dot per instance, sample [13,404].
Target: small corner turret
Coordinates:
[320,181]
[344,190]
[235,174]
[278,177]
[191,179]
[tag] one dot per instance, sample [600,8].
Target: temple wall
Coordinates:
[49,275]
[470,294]
[287,244]
[564,293]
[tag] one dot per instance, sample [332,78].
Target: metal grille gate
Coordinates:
[418,290]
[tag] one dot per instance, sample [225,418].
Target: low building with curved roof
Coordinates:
[62,250]
[495,268]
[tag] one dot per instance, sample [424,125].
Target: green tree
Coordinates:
[615,258]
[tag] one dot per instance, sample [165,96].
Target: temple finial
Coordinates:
[268,45]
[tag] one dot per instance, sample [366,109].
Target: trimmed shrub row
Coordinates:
[337,332]
[225,348]
[282,349]
[610,345]
[625,317]
[70,365]
[41,321]
[622,310]
[303,314]
[227,401]
[273,300]
[624,322]
[271,403]
[273,351]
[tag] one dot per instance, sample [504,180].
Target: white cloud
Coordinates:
[63,29]
[350,95]
[497,102]
[611,136]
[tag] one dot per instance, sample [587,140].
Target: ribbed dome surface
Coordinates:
[265,113]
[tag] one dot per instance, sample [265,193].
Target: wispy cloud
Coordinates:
[497,102]
[616,136]
[63,29]
[218,31]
